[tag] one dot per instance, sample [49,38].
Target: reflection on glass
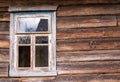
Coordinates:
[41,39]
[41,59]
[24,39]
[24,56]
[32,24]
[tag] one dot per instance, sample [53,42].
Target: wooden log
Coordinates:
[88,10]
[87,21]
[63,2]
[3,9]
[4,37]
[4,55]
[89,78]
[88,67]
[3,69]
[88,33]
[4,3]
[4,44]
[4,16]
[77,56]
[4,26]
[88,44]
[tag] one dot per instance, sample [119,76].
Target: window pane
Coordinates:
[41,59]
[24,56]
[41,39]
[24,39]
[32,24]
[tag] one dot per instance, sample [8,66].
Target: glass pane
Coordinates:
[24,56]
[24,39]
[32,24]
[41,59]
[41,39]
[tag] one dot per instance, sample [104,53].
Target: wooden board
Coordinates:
[4,3]
[63,2]
[89,78]
[4,16]
[87,21]
[3,69]
[4,44]
[88,33]
[88,44]
[88,67]
[4,55]
[88,10]
[99,55]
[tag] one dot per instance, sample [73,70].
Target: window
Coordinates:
[33,43]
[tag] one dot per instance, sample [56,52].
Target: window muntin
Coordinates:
[36,43]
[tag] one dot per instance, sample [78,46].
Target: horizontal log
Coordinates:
[4,16]
[4,37]
[3,69]
[88,67]
[63,2]
[87,21]
[4,44]
[4,3]
[88,10]
[99,55]
[4,55]
[69,78]
[89,78]
[88,44]
[88,33]
[3,9]
[4,26]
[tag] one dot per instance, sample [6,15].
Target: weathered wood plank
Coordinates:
[3,69]
[63,2]
[88,10]
[88,44]
[87,21]
[99,55]
[4,26]
[4,37]
[3,9]
[89,78]
[4,44]
[88,67]
[4,55]
[4,16]
[4,3]
[88,33]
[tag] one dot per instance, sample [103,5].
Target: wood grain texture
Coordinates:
[87,21]
[89,78]
[3,69]
[4,3]
[4,26]
[88,67]
[99,55]
[69,78]
[4,44]
[4,55]
[88,44]
[88,10]
[63,2]
[4,16]
[3,9]
[88,33]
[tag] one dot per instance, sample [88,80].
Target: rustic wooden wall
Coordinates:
[88,41]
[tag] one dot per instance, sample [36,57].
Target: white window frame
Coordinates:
[14,70]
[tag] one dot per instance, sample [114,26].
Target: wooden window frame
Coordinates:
[35,71]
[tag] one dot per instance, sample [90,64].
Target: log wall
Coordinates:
[88,41]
